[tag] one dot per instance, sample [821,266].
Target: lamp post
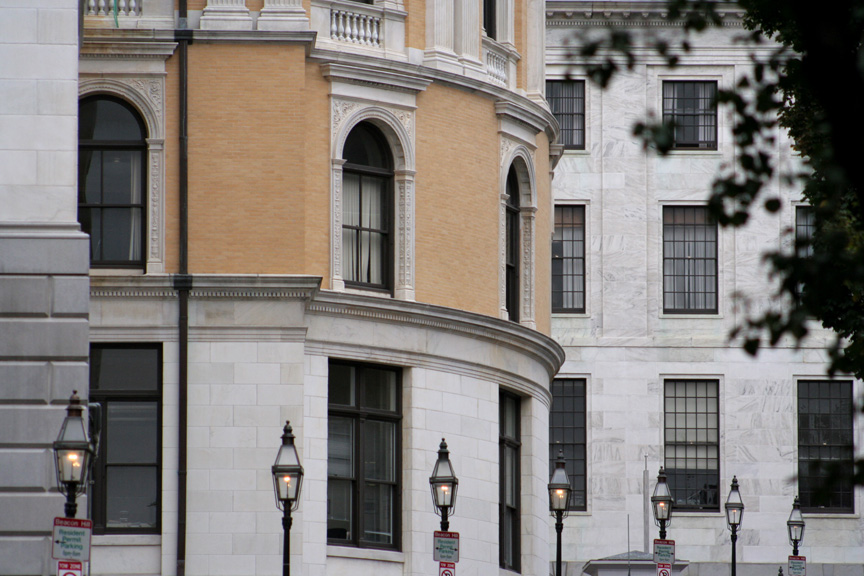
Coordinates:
[444,485]
[559,503]
[72,455]
[661,500]
[287,478]
[795,526]
[734,514]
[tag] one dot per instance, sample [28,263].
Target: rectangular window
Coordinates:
[126,380]
[825,445]
[692,449]
[568,260]
[691,108]
[567,101]
[363,458]
[689,260]
[489,19]
[509,473]
[805,226]
[567,433]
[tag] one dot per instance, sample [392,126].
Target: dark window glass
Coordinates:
[111,181]
[367,189]
[825,445]
[511,252]
[692,444]
[567,433]
[489,19]
[363,467]
[689,260]
[691,108]
[805,226]
[510,471]
[568,259]
[567,101]
[126,380]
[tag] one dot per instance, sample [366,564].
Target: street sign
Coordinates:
[797,566]
[664,569]
[69,568]
[71,539]
[445,547]
[664,551]
[446,569]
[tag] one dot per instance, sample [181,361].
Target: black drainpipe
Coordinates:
[183,283]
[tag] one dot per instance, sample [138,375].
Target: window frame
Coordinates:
[555,102]
[98,494]
[670,425]
[690,274]
[575,421]
[671,115]
[387,213]
[140,147]
[578,280]
[510,443]
[512,248]
[359,415]
[825,441]
[489,19]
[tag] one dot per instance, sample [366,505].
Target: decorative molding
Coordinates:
[147,96]
[397,125]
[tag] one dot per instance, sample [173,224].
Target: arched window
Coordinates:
[111,181]
[367,208]
[511,253]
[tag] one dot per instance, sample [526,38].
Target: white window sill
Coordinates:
[365,554]
[127,540]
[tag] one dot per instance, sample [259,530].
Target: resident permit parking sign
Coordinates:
[71,539]
[445,547]
[664,551]
[664,569]
[69,568]
[446,569]
[797,566]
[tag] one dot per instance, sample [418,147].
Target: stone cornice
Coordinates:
[207,286]
[644,13]
[540,116]
[477,326]
[388,79]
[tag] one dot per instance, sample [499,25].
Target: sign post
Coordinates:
[71,539]
[797,566]
[445,547]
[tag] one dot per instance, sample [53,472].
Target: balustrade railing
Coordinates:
[125,8]
[355,27]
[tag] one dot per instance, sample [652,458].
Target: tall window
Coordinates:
[805,226]
[126,380]
[568,259]
[363,466]
[692,449]
[567,101]
[489,19]
[689,260]
[111,181]
[367,212]
[511,252]
[567,433]
[691,107]
[825,445]
[509,472]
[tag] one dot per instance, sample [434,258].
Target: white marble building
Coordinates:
[636,327]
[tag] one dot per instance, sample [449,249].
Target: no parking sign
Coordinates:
[446,569]
[69,568]
[664,569]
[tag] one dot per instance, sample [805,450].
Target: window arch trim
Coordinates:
[146,97]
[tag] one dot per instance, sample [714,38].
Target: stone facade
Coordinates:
[626,347]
